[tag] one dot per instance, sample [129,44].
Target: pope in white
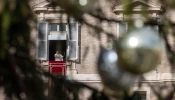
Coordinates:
[58,57]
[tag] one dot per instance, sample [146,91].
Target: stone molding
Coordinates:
[44,7]
[168,77]
[42,4]
[154,10]
[149,78]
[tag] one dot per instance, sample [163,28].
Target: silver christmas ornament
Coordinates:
[111,75]
[139,51]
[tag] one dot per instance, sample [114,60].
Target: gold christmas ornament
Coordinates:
[139,51]
[112,76]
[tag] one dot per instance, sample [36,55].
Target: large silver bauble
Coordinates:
[139,51]
[111,75]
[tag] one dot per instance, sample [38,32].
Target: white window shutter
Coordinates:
[42,41]
[121,28]
[67,50]
[73,42]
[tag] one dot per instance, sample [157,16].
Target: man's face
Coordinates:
[57,52]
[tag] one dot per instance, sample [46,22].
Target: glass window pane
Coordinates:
[74,31]
[72,49]
[62,27]
[42,31]
[53,27]
[41,49]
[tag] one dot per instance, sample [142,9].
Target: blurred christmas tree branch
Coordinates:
[21,76]
[170,52]
[71,85]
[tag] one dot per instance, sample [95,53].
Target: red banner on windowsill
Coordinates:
[57,67]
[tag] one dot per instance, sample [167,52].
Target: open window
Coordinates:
[57,36]
[57,45]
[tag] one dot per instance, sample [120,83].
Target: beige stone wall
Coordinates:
[91,40]
[164,66]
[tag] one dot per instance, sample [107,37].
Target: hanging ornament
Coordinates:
[139,51]
[112,76]
[87,5]
[84,5]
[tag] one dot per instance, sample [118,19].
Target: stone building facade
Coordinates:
[84,69]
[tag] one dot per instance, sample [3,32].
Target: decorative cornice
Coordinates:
[42,4]
[120,10]
[44,7]
[151,8]
[136,2]
[158,78]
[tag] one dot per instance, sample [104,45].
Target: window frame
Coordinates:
[118,28]
[146,89]
[58,26]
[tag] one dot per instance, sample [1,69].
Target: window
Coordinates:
[142,94]
[139,95]
[51,34]
[123,27]
[58,27]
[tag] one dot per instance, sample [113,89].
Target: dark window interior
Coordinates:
[59,45]
[143,95]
